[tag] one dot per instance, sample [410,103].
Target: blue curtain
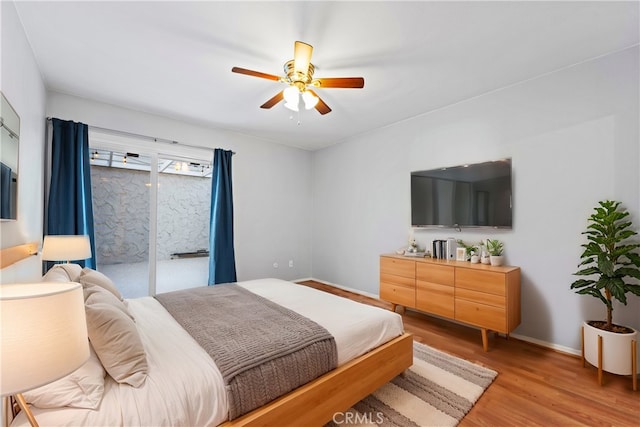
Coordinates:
[70,210]
[222,259]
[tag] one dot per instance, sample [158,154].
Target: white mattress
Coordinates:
[184,386]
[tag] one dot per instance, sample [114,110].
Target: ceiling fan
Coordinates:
[299,77]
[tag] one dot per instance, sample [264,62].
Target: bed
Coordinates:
[184,386]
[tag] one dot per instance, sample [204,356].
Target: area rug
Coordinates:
[438,390]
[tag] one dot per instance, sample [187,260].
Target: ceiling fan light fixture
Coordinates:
[291,95]
[298,76]
[309,99]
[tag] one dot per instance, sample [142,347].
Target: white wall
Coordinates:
[22,85]
[271,184]
[573,137]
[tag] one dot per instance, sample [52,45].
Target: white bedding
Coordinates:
[184,386]
[356,327]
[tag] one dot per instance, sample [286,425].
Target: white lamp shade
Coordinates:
[309,99]
[291,95]
[66,248]
[44,334]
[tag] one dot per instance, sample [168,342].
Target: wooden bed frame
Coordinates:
[317,402]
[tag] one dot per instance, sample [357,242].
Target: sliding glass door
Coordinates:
[151,214]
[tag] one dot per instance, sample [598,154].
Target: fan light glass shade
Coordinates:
[44,334]
[66,248]
[309,99]
[292,97]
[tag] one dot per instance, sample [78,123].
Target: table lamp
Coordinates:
[43,336]
[66,248]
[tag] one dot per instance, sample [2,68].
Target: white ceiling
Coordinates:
[175,58]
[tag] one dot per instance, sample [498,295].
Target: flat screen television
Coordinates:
[472,195]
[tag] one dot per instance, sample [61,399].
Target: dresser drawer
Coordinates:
[482,315]
[480,280]
[481,297]
[398,294]
[397,280]
[441,274]
[435,298]
[398,267]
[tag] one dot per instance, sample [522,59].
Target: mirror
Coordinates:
[9,145]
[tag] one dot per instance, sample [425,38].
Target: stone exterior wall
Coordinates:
[184,203]
[121,214]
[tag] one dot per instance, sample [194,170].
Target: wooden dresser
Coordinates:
[476,294]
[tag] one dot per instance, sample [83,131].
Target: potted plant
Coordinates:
[495,248]
[609,260]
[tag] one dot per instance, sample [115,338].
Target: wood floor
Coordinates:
[535,386]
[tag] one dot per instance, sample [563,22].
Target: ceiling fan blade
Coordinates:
[254,73]
[273,101]
[302,57]
[341,82]
[321,106]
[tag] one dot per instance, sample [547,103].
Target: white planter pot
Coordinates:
[496,259]
[616,349]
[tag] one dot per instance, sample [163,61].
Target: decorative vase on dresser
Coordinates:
[480,295]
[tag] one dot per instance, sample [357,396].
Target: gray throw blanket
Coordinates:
[262,349]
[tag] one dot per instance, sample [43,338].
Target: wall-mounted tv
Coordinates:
[471,195]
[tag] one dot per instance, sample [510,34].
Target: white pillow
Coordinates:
[83,388]
[63,273]
[115,337]
[93,277]
[104,296]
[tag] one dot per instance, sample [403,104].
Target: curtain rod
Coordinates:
[152,138]
[12,134]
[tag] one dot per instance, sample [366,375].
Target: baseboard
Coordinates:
[541,343]
[552,346]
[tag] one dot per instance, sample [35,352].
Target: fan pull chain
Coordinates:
[298,122]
